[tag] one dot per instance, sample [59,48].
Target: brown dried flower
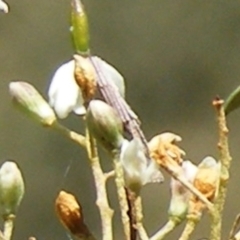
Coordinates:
[164,151]
[85,77]
[70,214]
[207,182]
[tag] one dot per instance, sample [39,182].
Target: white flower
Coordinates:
[137,172]
[64,94]
[4,7]
[180,195]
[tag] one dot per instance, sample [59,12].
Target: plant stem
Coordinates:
[8,226]
[225,160]
[106,213]
[139,217]
[189,228]
[119,180]
[76,137]
[165,230]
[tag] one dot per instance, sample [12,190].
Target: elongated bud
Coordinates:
[70,214]
[4,7]
[105,125]
[11,188]
[79,27]
[28,99]
[85,77]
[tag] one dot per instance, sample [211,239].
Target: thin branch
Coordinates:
[189,228]
[232,235]
[76,137]
[139,217]
[225,160]
[8,226]
[165,230]
[122,198]
[106,213]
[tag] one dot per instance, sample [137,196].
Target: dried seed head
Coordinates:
[164,151]
[28,99]
[11,188]
[85,77]
[70,214]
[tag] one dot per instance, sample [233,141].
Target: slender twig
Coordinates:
[76,137]
[225,160]
[189,228]
[8,226]
[165,230]
[234,227]
[106,213]
[121,195]
[139,217]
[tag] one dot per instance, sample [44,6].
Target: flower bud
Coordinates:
[29,100]
[4,7]
[105,125]
[79,27]
[85,77]
[70,214]
[11,188]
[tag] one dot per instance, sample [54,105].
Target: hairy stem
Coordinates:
[106,213]
[225,160]
[189,228]
[121,195]
[165,230]
[8,226]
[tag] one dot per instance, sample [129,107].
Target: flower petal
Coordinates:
[64,94]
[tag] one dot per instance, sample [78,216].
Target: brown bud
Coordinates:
[164,151]
[70,214]
[85,77]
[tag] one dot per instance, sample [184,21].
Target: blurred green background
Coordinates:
[176,57]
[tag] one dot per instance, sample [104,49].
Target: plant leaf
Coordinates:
[233,101]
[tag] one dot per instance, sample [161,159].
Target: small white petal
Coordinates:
[134,162]
[4,7]
[64,93]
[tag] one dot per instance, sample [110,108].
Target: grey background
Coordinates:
[176,57]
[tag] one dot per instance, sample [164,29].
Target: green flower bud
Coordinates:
[11,188]
[28,99]
[79,27]
[105,125]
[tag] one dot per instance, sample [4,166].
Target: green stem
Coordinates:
[119,180]
[76,137]
[189,228]
[8,226]
[106,213]
[165,230]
